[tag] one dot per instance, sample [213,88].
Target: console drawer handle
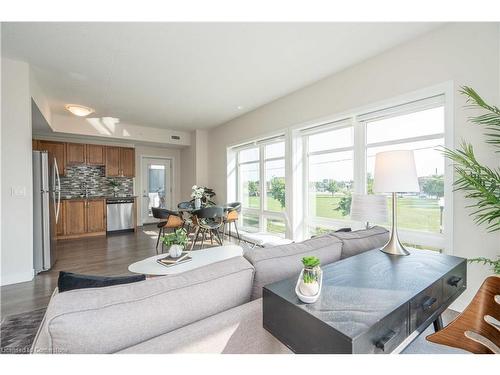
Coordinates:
[454,280]
[429,302]
[383,343]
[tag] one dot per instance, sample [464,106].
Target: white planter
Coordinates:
[197,203]
[175,251]
[309,288]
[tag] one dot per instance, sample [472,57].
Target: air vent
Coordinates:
[176,137]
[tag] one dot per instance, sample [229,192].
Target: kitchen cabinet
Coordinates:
[75,153]
[82,218]
[75,217]
[58,150]
[112,161]
[95,154]
[120,162]
[127,159]
[96,215]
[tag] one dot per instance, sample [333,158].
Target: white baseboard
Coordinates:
[20,277]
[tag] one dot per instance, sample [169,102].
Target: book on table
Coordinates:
[168,261]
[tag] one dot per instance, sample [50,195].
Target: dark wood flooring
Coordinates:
[105,255]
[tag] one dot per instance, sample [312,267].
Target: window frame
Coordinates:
[438,96]
[262,212]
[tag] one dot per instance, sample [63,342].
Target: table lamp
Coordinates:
[395,172]
[369,208]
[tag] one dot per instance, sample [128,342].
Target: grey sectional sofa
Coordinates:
[212,309]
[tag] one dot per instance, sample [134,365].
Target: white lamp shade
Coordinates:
[369,208]
[395,172]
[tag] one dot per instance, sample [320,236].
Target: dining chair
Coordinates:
[232,211]
[170,220]
[477,328]
[208,220]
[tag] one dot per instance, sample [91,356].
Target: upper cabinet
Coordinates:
[75,153]
[120,162]
[96,155]
[127,159]
[58,150]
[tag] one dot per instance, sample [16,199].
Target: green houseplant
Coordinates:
[310,276]
[479,182]
[176,242]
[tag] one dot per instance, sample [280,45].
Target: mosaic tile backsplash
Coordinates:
[97,183]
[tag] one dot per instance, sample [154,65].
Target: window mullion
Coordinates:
[262,183]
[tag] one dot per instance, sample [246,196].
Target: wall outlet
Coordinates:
[18,191]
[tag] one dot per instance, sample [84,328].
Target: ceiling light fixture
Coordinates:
[240,107]
[79,110]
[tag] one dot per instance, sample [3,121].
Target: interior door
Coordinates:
[156,186]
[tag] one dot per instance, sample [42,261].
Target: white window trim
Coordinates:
[416,101]
[295,160]
[262,211]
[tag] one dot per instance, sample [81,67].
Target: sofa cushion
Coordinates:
[69,281]
[236,331]
[281,262]
[105,320]
[359,241]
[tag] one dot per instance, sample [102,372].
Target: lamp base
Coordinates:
[394,246]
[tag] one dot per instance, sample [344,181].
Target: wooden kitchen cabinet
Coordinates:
[127,160]
[96,215]
[75,153]
[120,162]
[82,218]
[58,150]
[112,161]
[96,155]
[76,218]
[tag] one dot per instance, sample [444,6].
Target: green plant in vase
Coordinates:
[115,185]
[309,284]
[175,241]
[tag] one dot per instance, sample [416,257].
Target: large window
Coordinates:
[329,175]
[338,163]
[261,186]
[332,159]
[423,132]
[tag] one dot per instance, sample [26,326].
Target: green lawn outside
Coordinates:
[413,213]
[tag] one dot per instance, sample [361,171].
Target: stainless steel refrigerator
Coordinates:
[46,206]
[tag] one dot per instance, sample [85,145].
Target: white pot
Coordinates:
[175,251]
[197,203]
[309,289]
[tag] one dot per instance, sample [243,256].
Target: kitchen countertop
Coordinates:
[94,197]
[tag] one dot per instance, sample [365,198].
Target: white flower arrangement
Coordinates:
[197,192]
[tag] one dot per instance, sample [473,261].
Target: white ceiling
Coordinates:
[190,75]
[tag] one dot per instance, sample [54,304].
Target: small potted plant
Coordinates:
[197,194]
[308,286]
[176,242]
[115,185]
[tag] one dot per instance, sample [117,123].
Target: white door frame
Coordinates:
[169,200]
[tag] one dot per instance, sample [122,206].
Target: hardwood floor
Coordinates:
[106,256]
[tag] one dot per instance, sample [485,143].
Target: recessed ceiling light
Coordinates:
[240,107]
[79,110]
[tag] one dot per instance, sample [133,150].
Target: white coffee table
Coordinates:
[150,266]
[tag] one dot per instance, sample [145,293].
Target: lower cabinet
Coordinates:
[82,217]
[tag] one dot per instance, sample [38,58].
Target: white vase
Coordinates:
[175,251]
[197,203]
[309,289]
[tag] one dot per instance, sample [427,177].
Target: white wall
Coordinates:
[17,208]
[107,127]
[465,53]
[195,164]
[157,152]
